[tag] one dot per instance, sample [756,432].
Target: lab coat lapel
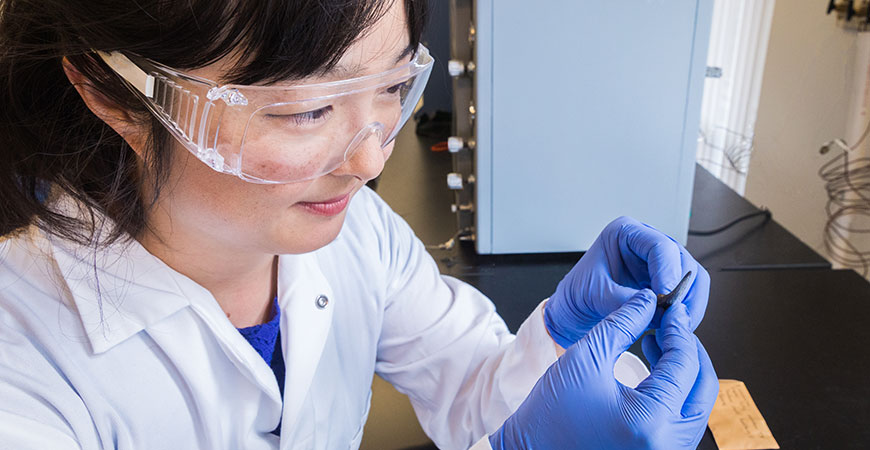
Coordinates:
[131,291]
[307,304]
[118,290]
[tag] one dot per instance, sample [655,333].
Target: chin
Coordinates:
[314,238]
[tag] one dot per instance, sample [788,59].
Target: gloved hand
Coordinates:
[625,257]
[579,404]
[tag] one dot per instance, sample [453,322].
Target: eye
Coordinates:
[307,117]
[400,87]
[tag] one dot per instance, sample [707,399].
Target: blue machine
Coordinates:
[571,113]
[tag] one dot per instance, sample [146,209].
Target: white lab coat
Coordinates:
[159,366]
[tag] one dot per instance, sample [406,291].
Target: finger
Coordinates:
[616,332]
[659,252]
[672,378]
[699,294]
[703,395]
[613,296]
[651,349]
[610,297]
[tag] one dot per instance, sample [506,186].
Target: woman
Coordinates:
[191,259]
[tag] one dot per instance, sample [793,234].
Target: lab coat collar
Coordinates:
[121,289]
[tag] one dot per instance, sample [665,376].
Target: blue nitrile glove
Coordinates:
[578,403]
[626,256]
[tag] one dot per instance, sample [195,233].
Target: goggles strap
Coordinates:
[130,72]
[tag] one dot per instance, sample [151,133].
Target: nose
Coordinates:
[364,157]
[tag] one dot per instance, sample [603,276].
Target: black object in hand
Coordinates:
[677,295]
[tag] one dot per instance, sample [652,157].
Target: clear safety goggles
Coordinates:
[275,134]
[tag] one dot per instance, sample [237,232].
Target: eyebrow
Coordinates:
[341,71]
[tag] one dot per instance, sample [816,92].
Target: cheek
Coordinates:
[244,216]
[226,206]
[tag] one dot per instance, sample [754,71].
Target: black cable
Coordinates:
[786,266]
[764,212]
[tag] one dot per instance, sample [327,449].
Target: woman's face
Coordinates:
[200,205]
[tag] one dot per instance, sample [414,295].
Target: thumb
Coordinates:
[621,328]
[613,296]
[677,370]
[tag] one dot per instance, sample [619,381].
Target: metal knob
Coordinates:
[454,180]
[455,68]
[455,144]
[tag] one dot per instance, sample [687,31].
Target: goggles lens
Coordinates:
[270,134]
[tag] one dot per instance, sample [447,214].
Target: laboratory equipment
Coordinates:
[570,114]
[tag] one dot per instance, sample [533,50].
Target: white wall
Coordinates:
[804,103]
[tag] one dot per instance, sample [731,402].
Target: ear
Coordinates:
[107,110]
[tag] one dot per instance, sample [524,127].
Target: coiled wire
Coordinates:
[847,183]
[735,155]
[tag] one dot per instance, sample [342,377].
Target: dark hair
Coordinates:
[50,139]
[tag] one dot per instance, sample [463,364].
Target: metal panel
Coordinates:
[586,110]
[483,125]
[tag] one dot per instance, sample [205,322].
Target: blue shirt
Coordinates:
[265,338]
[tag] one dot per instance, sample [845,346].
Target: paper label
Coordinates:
[736,422]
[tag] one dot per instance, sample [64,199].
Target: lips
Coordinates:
[329,207]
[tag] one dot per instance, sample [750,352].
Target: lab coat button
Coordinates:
[321,301]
